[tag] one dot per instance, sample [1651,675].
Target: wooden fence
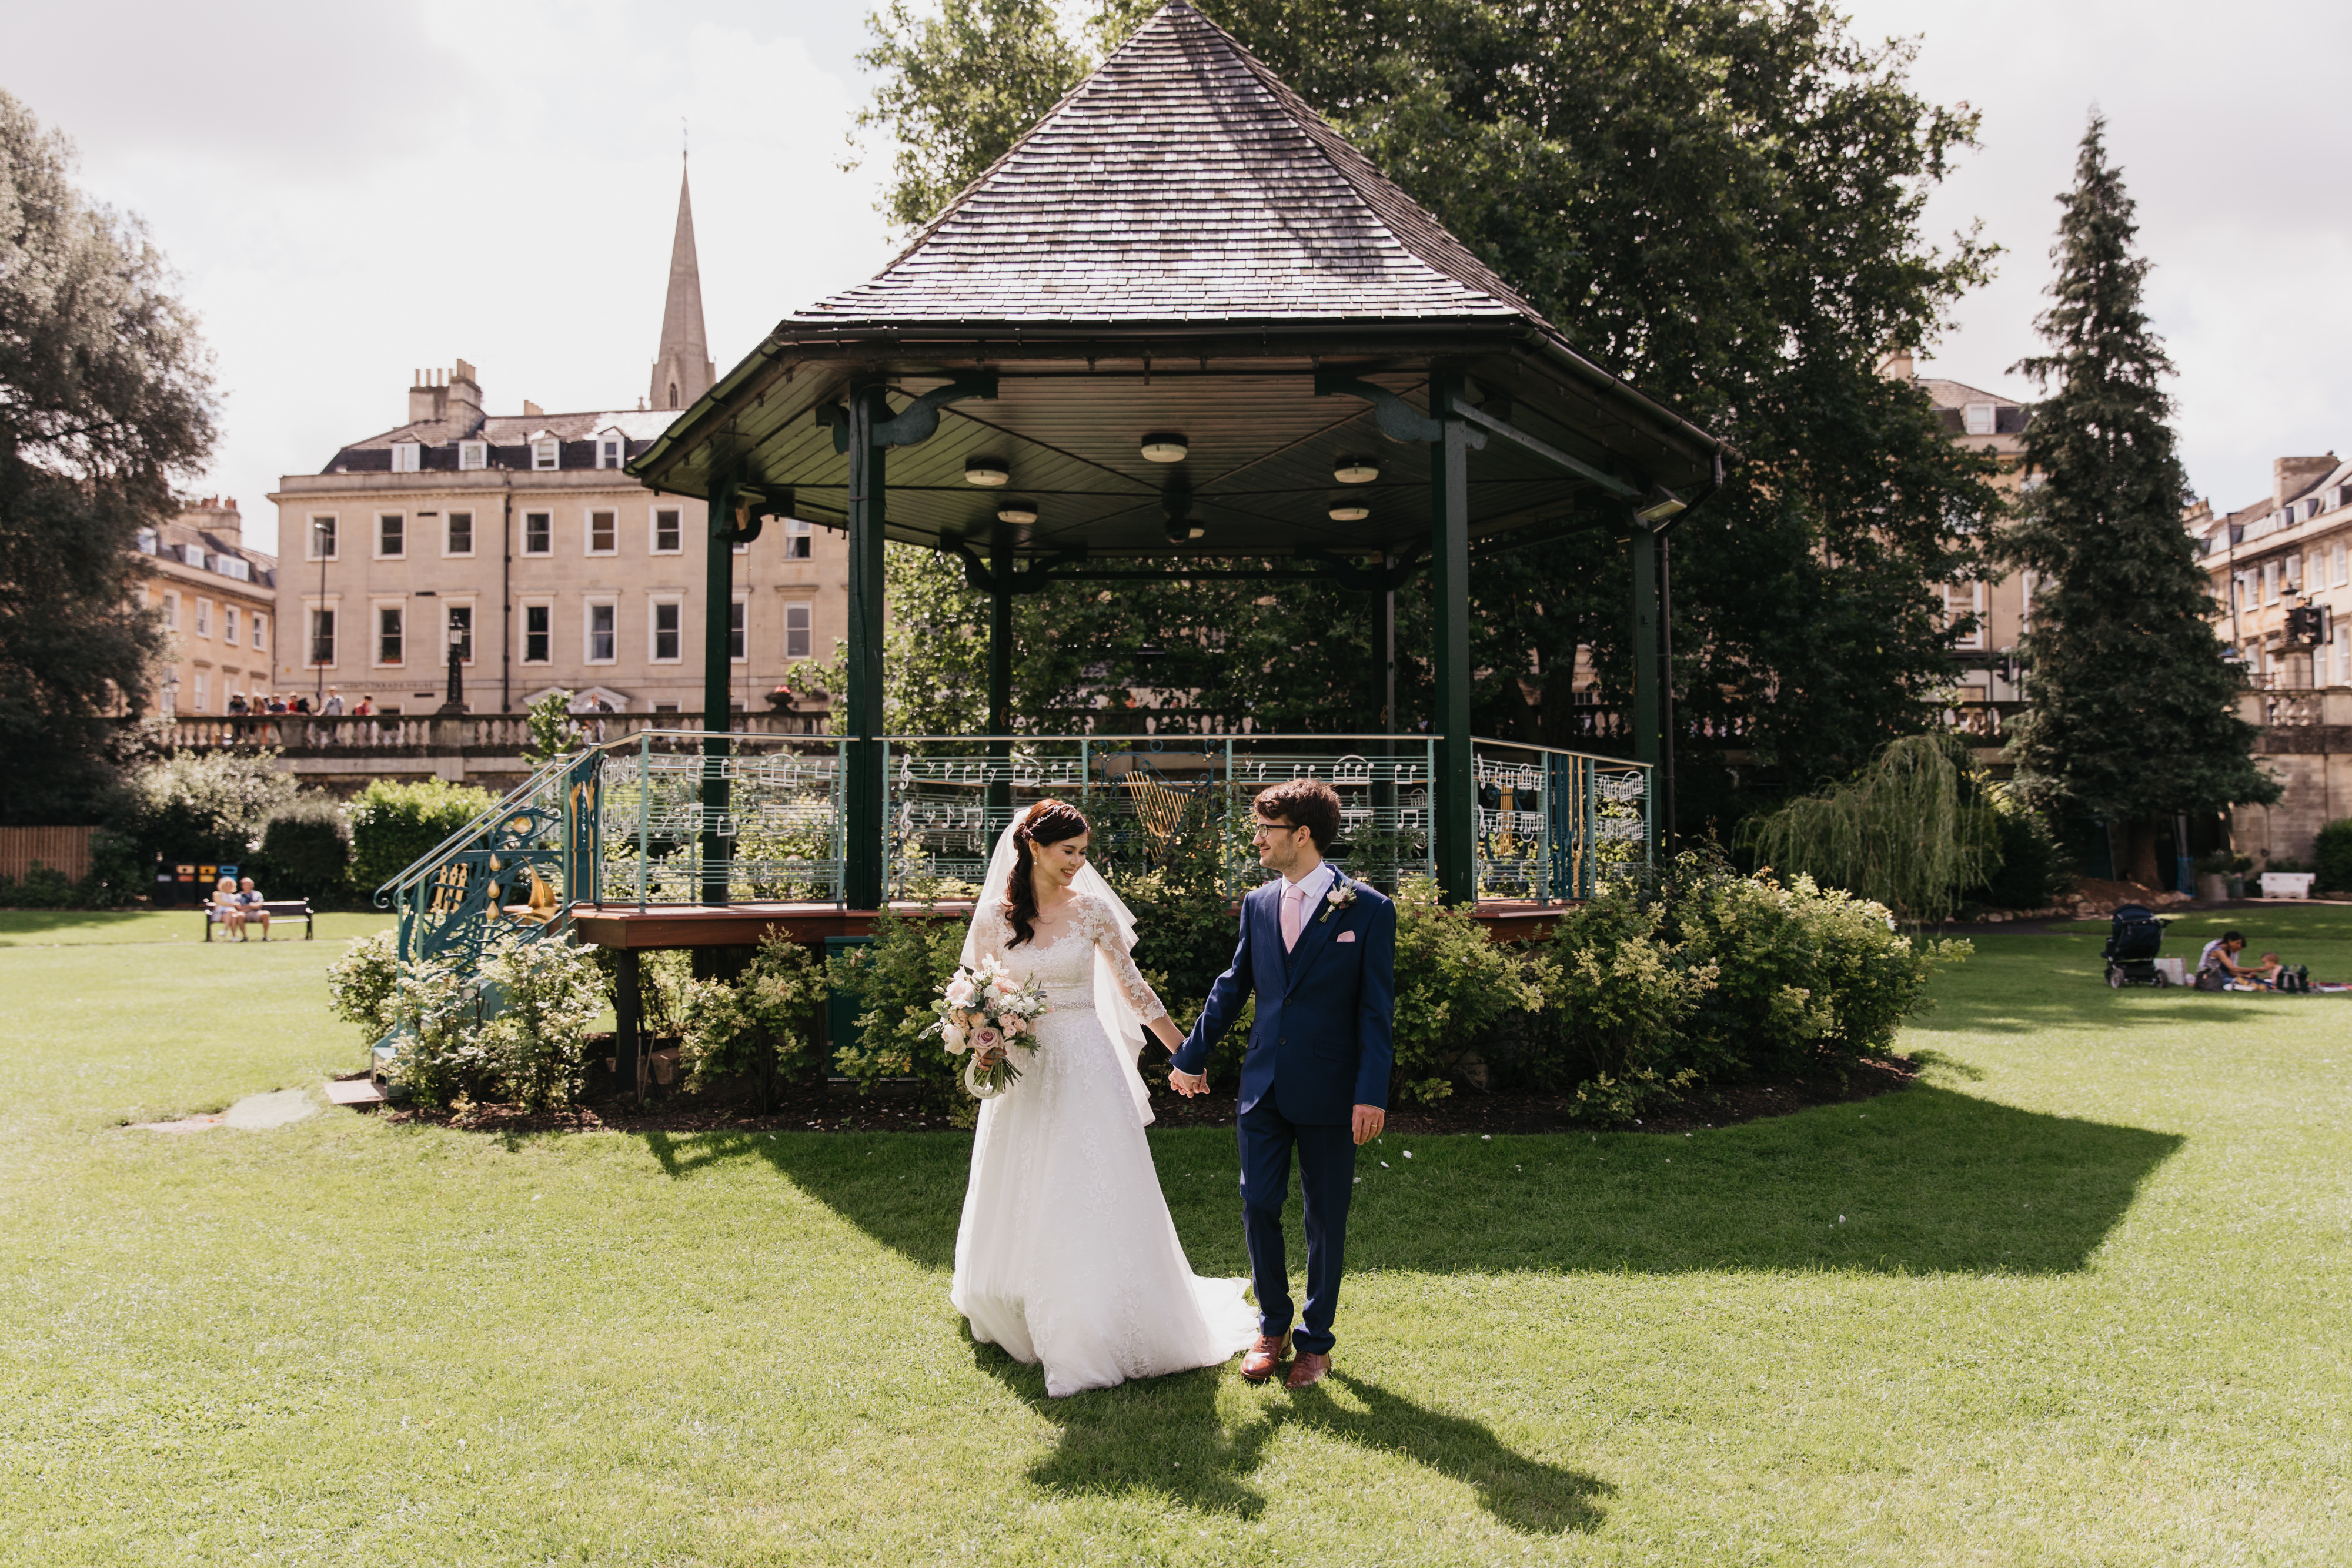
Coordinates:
[64,850]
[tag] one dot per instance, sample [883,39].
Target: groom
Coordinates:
[1318,949]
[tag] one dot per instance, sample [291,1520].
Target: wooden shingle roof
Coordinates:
[1182,182]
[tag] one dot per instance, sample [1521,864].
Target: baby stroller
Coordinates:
[2134,938]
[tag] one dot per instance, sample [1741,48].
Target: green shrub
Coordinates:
[2331,855]
[306,852]
[1452,986]
[894,978]
[548,997]
[2034,867]
[41,887]
[393,825]
[200,806]
[1808,977]
[519,1034]
[363,985]
[1620,995]
[766,1014]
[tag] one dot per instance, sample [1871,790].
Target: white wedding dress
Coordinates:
[1066,1255]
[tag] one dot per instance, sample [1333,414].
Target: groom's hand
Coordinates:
[1188,1083]
[1369,1120]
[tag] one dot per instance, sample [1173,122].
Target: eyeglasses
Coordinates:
[1266,828]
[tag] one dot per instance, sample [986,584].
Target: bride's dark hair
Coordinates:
[1046,823]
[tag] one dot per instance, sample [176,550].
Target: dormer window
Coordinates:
[473,455]
[611,449]
[148,540]
[408,457]
[1980,418]
[546,453]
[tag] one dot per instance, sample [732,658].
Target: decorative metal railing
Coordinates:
[1550,821]
[513,872]
[1553,820]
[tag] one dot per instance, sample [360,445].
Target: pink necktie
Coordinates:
[1294,913]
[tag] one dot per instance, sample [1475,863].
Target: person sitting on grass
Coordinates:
[2219,965]
[228,908]
[252,900]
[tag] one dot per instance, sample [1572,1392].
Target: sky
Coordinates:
[351,191]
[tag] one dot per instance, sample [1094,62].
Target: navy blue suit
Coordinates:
[1321,1046]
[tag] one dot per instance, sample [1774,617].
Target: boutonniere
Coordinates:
[1342,895]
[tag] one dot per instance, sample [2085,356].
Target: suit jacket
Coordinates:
[1326,1009]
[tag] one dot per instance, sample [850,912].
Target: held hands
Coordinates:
[1191,1083]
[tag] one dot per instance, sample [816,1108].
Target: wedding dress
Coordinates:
[1065,1254]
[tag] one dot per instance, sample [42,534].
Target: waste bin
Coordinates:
[841,1005]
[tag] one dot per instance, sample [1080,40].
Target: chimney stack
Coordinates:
[428,398]
[463,407]
[2294,475]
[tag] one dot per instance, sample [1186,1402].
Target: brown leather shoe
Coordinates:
[1307,1370]
[1264,1356]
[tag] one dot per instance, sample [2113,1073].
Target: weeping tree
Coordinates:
[1904,831]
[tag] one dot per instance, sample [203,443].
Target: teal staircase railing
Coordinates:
[511,875]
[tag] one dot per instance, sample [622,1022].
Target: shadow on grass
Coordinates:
[1166,1435]
[1925,1181]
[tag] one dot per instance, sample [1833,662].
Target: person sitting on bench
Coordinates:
[228,908]
[255,907]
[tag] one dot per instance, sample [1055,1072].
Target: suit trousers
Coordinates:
[1326,1177]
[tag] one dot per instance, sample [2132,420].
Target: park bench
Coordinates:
[279,908]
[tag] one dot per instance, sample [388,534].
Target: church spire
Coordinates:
[682,366]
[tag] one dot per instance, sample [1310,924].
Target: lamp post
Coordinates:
[321,537]
[455,702]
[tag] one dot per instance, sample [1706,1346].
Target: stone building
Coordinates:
[219,603]
[2281,569]
[1986,665]
[519,537]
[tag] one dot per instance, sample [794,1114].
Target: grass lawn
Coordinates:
[2081,1297]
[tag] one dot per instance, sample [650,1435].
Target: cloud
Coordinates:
[353,195]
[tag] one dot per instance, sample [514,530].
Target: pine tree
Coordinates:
[2133,715]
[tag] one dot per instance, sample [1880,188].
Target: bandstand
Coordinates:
[1182,320]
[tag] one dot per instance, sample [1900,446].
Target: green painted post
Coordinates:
[1453,796]
[862,853]
[717,681]
[998,806]
[1649,711]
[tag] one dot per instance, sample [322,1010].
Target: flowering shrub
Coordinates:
[895,978]
[517,1035]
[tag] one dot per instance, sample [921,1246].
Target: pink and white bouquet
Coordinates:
[984,1014]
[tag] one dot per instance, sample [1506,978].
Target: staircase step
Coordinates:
[355,1091]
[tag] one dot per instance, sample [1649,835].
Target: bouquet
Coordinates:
[984,1014]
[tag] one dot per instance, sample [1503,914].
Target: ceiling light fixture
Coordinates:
[1019,513]
[1349,512]
[985,471]
[1165,446]
[1356,470]
[1184,531]
[1659,504]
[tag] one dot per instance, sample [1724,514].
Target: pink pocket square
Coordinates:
[1345,936]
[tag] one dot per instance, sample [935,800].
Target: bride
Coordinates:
[1066,1255]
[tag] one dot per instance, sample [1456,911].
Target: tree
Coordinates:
[2132,715]
[105,396]
[957,89]
[1717,199]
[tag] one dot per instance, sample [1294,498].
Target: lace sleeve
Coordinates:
[990,931]
[1103,931]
